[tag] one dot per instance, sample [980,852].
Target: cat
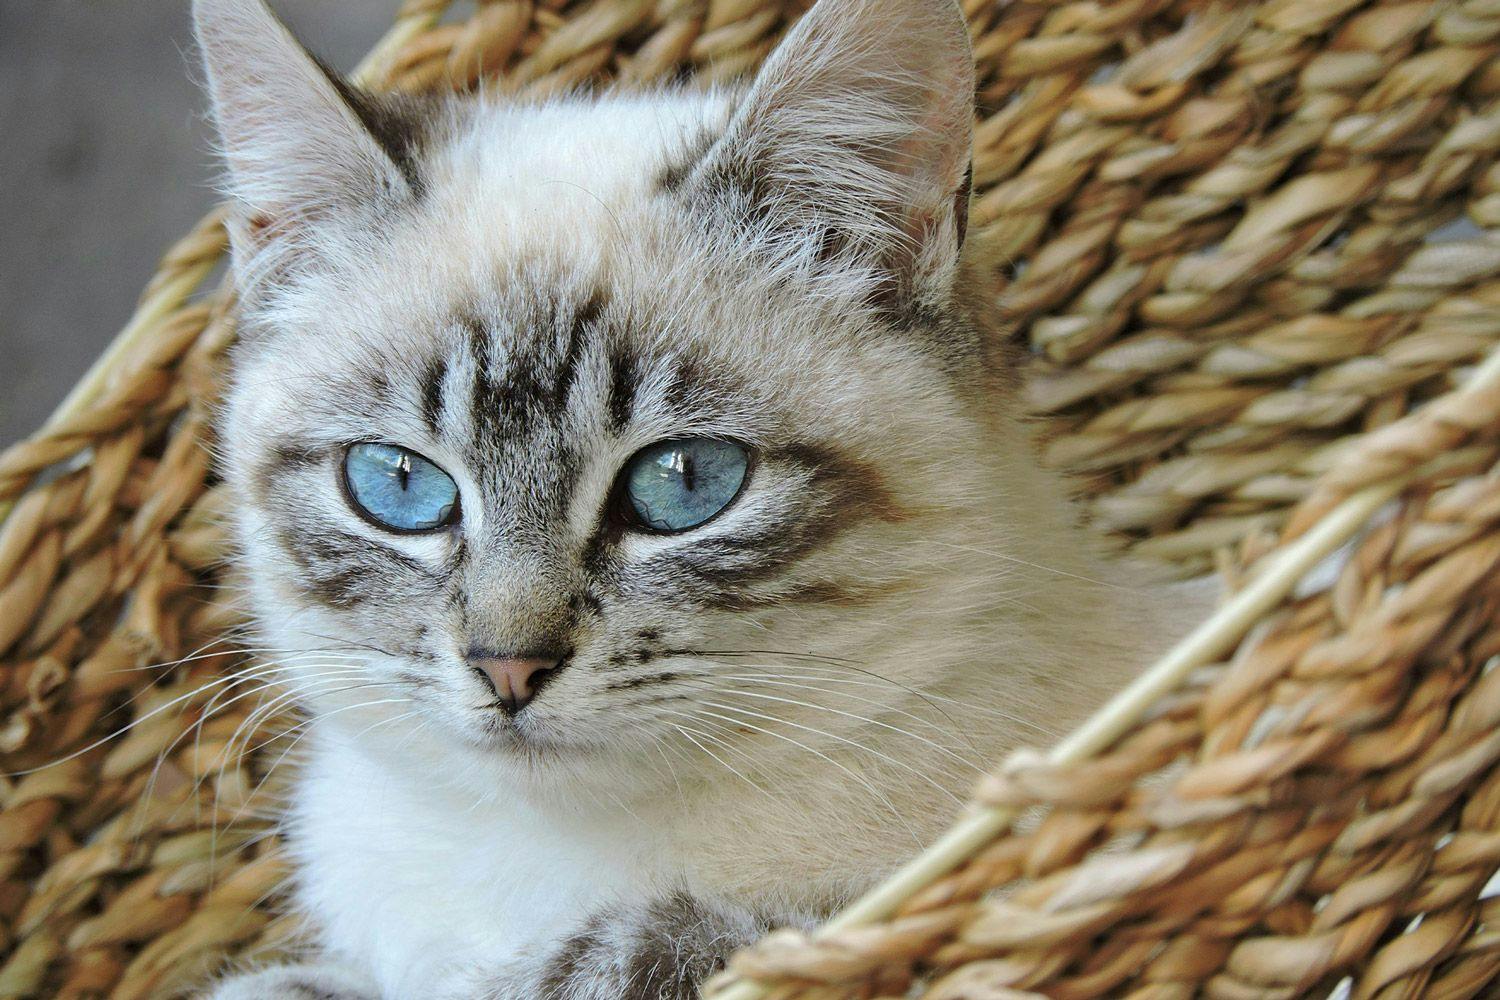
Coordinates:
[633,491]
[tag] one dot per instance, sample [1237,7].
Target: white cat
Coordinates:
[633,486]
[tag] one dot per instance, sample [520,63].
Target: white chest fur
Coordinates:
[420,886]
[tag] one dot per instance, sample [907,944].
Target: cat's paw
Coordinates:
[294,982]
[661,950]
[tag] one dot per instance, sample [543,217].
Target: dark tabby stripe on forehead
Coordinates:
[584,324]
[487,396]
[432,387]
[696,390]
[536,390]
[624,378]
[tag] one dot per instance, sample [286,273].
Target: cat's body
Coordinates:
[745,721]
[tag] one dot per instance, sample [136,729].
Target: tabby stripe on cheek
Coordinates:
[647,680]
[286,459]
[818,592]
[342,570]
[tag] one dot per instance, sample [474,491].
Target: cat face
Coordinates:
[657,394]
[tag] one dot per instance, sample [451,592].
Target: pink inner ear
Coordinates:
[264,229]
[939,187]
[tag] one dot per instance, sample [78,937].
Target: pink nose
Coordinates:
[515,679]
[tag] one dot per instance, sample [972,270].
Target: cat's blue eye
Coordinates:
[399,489]
[677,485]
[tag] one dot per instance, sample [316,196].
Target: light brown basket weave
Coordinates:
[1228,234]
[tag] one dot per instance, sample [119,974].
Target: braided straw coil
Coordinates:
[1255,251]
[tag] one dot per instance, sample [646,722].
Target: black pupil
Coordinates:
[403,470]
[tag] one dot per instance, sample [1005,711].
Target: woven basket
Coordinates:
[1255,251]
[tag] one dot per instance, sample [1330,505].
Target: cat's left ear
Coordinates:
[304,150]
[852,148]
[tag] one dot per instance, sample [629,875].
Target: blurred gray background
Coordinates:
[105,159]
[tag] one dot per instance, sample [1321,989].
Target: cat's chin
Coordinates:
[533,741]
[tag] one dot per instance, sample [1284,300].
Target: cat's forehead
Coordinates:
[538,158]
[574,186]
[524,213]
[541,353]
[547,271]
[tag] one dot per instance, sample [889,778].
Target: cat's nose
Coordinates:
[515,679]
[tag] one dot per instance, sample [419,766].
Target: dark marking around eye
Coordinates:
[460,556]
[337,588]
[289,455]
[857,486]
[740,570]
[820,592]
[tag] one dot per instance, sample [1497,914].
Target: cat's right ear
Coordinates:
[299,144]
[849,155]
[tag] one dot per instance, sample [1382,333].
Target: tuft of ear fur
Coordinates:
[302,148]
[852,147]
